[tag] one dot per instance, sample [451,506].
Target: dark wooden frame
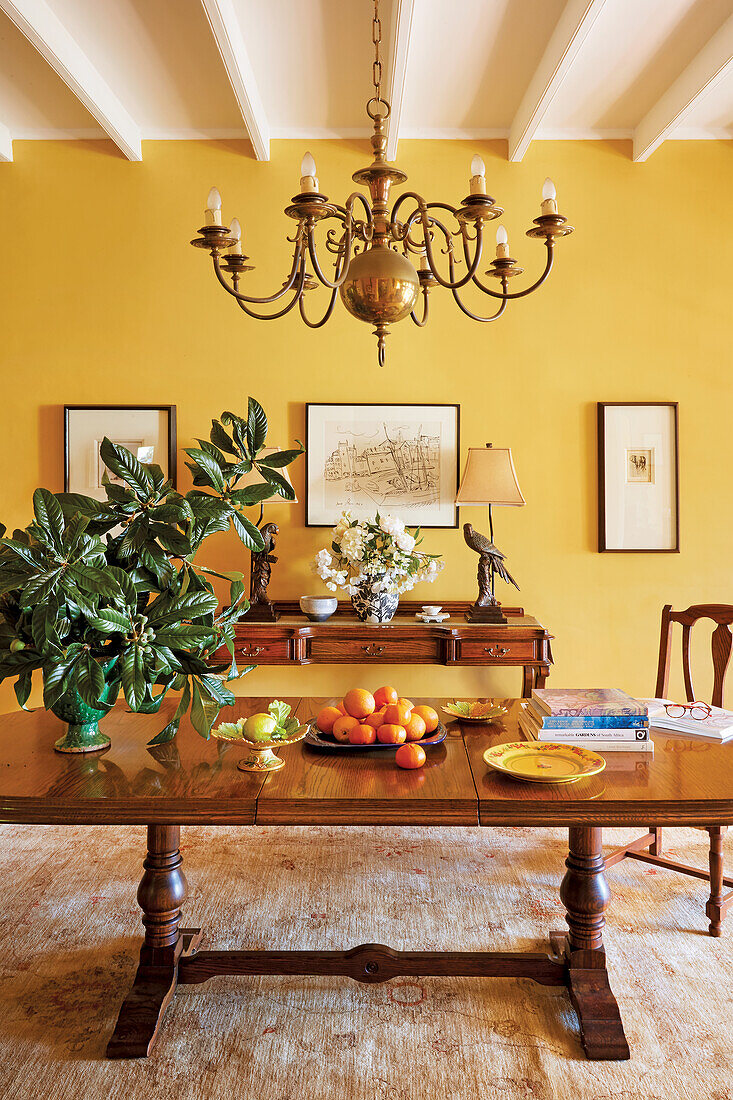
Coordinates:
[600,414]
[172,432]
[377,405]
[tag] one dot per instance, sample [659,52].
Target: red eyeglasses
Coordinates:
[697,710]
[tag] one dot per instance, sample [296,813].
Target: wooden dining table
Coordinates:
[191,781]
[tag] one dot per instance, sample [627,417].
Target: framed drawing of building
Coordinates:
[399,459]
[638,477]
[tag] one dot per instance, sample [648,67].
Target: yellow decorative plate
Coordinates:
[545,762]
[473,712]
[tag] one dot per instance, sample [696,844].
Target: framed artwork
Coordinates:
[401,459]
[148,431]
[638,477]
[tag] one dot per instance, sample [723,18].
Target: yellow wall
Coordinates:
[103,301]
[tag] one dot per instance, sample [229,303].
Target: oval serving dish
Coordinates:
[326,742]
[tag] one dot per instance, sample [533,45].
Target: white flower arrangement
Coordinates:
[381,550]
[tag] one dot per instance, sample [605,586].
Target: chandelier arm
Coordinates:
[424,209]
[281,313]
[326,315]
[475,316]
[288,285]
[549,244]
[342,271]
[421,322]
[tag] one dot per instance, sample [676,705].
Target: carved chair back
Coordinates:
[719,613]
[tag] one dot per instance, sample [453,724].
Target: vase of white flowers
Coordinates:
[375,561]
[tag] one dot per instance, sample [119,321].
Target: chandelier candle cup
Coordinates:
[549,197]
[308,178]
[478,176]
[502,243]
[212,214]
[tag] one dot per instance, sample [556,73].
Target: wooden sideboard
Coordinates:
[292,640]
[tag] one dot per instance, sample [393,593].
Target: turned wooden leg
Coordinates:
[713,908]
[585,894]
[160,895]
[655,848]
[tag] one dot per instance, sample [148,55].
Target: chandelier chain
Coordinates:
[377,39]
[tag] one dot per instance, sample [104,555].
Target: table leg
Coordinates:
[585,894]
[161,893]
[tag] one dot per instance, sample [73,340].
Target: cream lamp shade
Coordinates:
[489,477]
[255,478]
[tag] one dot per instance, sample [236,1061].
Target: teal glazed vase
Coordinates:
[83,733]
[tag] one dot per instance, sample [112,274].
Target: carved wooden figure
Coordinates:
[261,609]
[487,608]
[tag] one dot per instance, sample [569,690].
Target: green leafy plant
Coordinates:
[98,592]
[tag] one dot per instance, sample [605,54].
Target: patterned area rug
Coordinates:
[69,935]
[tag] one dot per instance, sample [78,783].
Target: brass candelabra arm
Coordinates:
[475,316]
[235,269]
[281,312]
[422,321]
[343,252]
[326,315]
[504,274]
[400,231]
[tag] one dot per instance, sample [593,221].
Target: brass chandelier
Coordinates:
[374,271]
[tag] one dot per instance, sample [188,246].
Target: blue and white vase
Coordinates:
[374,607]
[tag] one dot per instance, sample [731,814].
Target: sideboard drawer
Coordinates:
[381,648]
[271,651]
[511,652]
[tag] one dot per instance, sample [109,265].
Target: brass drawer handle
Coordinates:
[252,650]
[495,650]
[373,650]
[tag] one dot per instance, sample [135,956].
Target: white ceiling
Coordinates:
[525,70]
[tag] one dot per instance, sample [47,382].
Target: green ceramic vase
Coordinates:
[83,733]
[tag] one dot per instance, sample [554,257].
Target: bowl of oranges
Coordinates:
[379,720]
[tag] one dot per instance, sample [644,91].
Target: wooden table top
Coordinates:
[194,781]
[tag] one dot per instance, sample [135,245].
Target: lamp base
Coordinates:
[489,613]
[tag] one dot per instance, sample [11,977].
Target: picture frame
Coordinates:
[638,477]
[149,431]
[401,459]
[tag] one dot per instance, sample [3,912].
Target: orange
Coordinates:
[415,727]
[385,695]
[340,708]
[397,714]
[362,734]
[376,719]
[326,719]
[359,703]
[429,717]
[410,756]
[342,728]
[391,734]
[407,703]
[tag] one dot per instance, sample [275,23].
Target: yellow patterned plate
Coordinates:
[545,762]
[473,712]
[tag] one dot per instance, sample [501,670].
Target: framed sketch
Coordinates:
[401,459]
[638,477]
[148,431]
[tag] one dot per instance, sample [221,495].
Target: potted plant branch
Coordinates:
[106,596]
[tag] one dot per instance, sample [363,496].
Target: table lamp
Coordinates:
[261,609]
[489,478]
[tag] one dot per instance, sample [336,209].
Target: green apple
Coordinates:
[259,727]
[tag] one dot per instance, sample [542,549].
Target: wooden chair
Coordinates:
[648,848]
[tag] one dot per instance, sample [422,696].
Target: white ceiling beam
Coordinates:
[402,22]
[573,26]
[230,43]
[6,144]
[708,68]
[42,28]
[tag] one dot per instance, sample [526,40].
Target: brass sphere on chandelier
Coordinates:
[381,286]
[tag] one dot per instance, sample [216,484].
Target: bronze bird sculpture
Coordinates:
[490,562]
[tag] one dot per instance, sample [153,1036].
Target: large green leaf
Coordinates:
[280,484]
[204,709]
[170,731]
[170,538]
[23,688]
[109,621]
[90,680]
[38,589]
[253,494]
[256,426]
[49,516]
[96,582]
[133,677]
[57,679]
[191,605]
[121,462]
[279,458]
[204,463]
[249,535]
[222,439]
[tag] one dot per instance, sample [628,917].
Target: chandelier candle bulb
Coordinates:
[502,243]
[212,215]
[308,178]
[236,231]
[478,176]
[549,197]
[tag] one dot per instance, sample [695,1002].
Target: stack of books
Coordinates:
[604,719]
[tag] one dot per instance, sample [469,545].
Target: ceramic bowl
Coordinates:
[318,608]
[432,609]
